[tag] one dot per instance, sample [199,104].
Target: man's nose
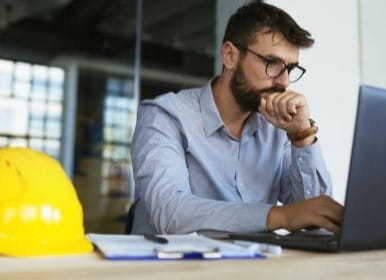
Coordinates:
[283,80]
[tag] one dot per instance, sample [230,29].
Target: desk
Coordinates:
[291,265]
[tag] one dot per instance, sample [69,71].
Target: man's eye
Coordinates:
[273,62]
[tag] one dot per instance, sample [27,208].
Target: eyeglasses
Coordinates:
[275,67]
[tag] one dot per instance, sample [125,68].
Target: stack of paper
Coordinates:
[135,247]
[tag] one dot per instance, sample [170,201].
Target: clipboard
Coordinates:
[179,247]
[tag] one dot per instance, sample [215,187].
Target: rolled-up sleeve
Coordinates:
[162,183]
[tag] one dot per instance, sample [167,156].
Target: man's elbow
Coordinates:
[167,221]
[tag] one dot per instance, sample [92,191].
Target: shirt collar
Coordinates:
[211,117]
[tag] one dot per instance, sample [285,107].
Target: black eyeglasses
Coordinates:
[275,67]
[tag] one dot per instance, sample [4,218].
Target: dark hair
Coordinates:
[254,17]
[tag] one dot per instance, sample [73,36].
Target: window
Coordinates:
[31,106]
[119,120]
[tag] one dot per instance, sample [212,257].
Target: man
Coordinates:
[220,157]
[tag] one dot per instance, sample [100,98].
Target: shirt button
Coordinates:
[300,159]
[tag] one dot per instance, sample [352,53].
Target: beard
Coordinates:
[247,97]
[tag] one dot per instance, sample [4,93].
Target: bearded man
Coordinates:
[222,156]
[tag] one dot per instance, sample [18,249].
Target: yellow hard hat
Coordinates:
[40,213]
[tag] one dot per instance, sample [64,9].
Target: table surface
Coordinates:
[292,264]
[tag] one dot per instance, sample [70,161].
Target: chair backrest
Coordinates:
[130,218]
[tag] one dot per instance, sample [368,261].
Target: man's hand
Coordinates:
[288,110]
[322,211]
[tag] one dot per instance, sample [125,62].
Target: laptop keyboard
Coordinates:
[307,240]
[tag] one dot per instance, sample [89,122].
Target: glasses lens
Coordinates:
[275,68]
[295,74]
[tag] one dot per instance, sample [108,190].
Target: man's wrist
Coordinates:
[304,137]
[305,142]
[275,218]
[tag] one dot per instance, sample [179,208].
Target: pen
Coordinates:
[156,239]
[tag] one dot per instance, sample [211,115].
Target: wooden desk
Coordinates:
[291,265]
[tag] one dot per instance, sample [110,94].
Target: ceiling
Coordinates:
[176,35]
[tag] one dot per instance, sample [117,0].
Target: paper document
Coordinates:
[178,246]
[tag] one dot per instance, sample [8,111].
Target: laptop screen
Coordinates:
[365,207]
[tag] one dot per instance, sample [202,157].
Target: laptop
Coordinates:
[364,215]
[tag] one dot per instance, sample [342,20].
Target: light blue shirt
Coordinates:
[191,174]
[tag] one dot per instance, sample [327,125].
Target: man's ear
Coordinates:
[229,55]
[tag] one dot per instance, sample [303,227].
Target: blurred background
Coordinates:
[72,73]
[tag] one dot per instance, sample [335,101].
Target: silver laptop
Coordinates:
[364,217]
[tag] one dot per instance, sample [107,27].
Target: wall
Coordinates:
[332,78]
[373,42]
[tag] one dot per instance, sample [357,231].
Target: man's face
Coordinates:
[250,81]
